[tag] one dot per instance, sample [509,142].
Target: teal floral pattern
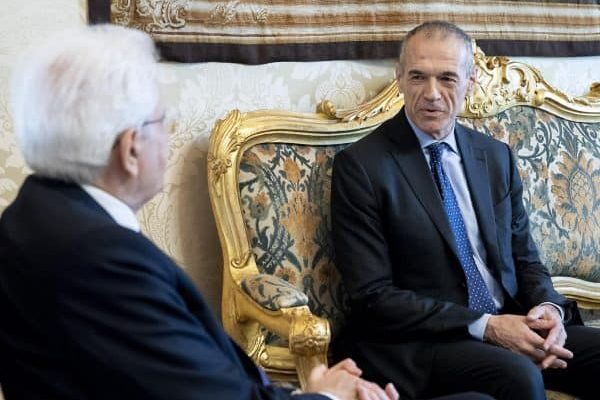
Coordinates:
[285,195]
[273,293]
[559,162]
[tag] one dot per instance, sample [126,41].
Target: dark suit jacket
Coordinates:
[92,310]
[397,256]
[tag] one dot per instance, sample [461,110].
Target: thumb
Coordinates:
[535,313]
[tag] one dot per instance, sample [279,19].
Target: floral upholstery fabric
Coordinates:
[285,194]
[273,293]
[559,163]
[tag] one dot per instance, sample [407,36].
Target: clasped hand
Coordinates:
[343,381]
[540,335]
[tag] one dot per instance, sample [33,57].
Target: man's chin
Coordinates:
[434,130]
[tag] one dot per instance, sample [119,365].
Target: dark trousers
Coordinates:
[475,366]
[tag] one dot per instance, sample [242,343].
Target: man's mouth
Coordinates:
[432,111]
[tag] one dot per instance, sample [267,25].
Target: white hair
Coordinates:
[74,95]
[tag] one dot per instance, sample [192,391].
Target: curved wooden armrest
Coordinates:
[586,294]
[308,334]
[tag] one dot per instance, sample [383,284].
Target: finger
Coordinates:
[553,362]
[534,340]
[541,324]
[374,390]
[548,361]
[363,393]
[347,365]
[559,364]
[552,337]
[538,356]
[560,352]
[535,313]
[391,392]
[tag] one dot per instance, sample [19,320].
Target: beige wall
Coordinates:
[179,219]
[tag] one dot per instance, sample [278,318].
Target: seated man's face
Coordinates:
[434,81]
[154,150]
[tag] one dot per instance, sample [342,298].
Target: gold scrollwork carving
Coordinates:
[218,164]
[389,98]
[594,92]
[241,260]
[326,107]
[309,336]
[256,349]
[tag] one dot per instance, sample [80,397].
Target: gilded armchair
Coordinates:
[269,180]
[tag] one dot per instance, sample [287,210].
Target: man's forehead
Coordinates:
[448,53]
[440,40]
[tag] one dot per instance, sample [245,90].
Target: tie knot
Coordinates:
[436,149]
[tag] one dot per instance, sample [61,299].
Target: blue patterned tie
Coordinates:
[479,295]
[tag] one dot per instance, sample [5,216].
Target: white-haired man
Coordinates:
[90,308]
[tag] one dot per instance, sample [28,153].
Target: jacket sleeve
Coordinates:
[127,327]
[362,256]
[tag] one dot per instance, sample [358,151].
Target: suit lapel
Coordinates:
[475,167]
[414,168]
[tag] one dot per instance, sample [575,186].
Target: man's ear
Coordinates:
[127,152]
[472,80]
[399,80]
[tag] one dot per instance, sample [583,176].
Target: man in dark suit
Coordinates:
[447,291]
[90,308]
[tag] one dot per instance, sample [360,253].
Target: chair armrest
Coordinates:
[273,293]
[587,294]
[308,334]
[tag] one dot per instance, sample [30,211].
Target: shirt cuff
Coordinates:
[329,395]
[559,308]
[477,328]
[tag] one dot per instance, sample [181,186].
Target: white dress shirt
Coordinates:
[119,211]
[452,165]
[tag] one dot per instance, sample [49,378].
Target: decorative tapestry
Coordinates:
[260,31]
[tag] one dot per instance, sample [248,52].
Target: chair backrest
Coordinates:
[285,190]
[559,163]
[270,177]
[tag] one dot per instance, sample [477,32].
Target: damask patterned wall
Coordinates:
[179,219]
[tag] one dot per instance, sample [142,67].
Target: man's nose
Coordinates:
[432,92]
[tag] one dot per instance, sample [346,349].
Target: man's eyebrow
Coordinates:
[450,74]
[415,72]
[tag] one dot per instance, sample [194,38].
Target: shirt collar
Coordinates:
[425,140]
[119,211]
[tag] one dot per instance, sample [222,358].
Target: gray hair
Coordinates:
[444,29]
[74,95]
